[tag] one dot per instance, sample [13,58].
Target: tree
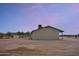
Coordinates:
[27,33]
[20,33]
[9,34]
[1,35]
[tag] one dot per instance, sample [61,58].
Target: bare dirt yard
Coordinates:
[24,47]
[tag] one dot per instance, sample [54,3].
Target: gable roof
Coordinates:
[54,28]
[48,27]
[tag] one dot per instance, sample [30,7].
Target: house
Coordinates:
[46,33]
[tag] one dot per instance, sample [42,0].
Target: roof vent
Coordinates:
[39,26]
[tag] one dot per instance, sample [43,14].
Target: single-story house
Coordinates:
[46,33]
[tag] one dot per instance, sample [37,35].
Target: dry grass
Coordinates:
[20,51]
[23,47]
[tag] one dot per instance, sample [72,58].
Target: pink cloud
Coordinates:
[51,19]
[42,16]
[48,19]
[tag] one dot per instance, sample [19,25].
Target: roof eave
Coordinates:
[61,31]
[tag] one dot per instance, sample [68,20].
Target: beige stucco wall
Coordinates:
[46,33]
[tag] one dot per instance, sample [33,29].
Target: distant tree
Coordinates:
[27,33]
[1,35]
[77,34]
[20,33]
[9,34]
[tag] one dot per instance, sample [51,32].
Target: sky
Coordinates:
[27,16]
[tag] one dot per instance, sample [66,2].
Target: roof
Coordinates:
[48,27]
[54,28]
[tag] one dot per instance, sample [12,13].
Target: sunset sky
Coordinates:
[26,17]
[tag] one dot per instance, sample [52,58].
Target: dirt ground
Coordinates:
[24,47]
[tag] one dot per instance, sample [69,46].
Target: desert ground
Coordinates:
[25,47]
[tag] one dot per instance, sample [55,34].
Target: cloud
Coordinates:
[37,13]
[65,17]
